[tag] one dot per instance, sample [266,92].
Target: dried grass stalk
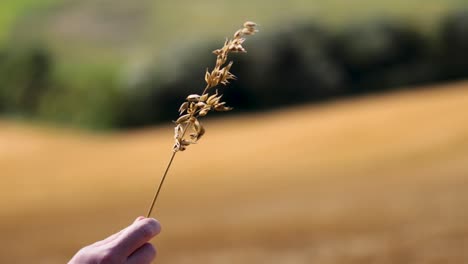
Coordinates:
[188,129]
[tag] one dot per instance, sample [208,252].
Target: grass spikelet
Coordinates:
[188,128]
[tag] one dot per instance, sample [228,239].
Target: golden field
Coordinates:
[378,179]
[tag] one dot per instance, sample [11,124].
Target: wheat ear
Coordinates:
[197,106]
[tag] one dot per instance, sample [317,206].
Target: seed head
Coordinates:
[196,105]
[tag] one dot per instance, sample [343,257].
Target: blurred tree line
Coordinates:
[306,63]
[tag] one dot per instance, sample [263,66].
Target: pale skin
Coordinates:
[129,246]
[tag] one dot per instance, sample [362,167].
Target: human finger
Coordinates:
[136,235]
[114,236]
[143,255]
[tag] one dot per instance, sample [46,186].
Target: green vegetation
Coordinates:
[110,62]
[11,10]
[157,25]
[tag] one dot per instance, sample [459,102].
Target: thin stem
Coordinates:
[216,77]
[160,185]
[169,166]
[206,89]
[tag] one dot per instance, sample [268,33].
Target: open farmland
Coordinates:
[379,179]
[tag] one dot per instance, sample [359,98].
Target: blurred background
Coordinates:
[348,142]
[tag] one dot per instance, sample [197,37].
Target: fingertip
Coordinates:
[139,218]
[137,234]
[144,254]
[154,224]
[147,228]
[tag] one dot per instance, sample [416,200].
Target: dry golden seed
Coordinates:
[238,33]
[203,112]
[219,62]
[196,124]
[214,81]
[184,142]
[207,76]
[221,72]
[204,97]
[223,108]
[224,56]
[194,137]
[228,67]
[201,132]
[216,100]
[183,118]
[236,48]
[247,31]
[193,98]
[238,41]
[215,74]
[178,146]
[199,128]
[250,24]
[225,79]
[183,107]
[226,75]
[211,102]
[177,132]
[192,109]
[232,76]
[212,97]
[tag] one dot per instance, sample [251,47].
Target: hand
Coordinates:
[129,246]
